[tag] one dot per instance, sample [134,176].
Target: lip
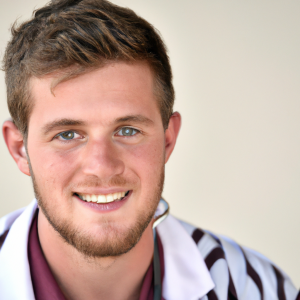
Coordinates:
[105,207]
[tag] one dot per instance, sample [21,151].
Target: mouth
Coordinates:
[108,198]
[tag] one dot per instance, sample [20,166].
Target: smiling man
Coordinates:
[89,89]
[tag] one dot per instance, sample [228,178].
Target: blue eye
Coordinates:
[127,131]
[67,135]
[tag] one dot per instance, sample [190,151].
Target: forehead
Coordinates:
[116,89]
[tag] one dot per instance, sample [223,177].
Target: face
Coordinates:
[97,149]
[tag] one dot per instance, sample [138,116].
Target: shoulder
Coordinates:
[244,272]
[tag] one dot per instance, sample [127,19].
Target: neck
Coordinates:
[82,278]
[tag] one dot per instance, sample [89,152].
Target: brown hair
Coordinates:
[71,37]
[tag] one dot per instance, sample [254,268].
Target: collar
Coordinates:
[44,284]
[15,279]
[186,275]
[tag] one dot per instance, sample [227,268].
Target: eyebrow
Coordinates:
[136,119]
[61,123]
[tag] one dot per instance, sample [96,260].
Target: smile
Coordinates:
[102,198]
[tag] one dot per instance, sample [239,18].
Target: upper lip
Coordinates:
[101,191]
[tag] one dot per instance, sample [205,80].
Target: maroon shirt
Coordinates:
[46,288]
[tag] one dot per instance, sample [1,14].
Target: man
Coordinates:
[89,89]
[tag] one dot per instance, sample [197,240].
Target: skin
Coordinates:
[90,163]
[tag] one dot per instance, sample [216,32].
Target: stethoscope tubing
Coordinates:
[156,261]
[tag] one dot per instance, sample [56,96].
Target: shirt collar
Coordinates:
[43,282]
[186,274]
[13,259]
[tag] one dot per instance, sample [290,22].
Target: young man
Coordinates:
[90,93]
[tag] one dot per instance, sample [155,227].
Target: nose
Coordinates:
[102,159]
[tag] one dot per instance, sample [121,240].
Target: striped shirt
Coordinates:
[240,273]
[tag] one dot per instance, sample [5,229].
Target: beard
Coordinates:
[117,239]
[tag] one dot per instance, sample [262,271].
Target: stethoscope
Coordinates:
[156,262]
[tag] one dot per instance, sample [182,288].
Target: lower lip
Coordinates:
[105,207]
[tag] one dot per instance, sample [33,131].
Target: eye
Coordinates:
[127,131]
[67,135]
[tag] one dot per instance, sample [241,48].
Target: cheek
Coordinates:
[52,168]
[147,160]
[150,154]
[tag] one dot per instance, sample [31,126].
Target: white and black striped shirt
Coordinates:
[240,273]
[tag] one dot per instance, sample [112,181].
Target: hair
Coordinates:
[71,37]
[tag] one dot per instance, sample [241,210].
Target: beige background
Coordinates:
[236,168]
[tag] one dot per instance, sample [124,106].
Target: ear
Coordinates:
[171,134]
[14,142]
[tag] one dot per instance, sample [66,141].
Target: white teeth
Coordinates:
[103,198]
[109,198]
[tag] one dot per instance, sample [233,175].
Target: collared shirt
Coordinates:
[198,264]
[44,284]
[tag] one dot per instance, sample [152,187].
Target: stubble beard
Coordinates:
[117,241]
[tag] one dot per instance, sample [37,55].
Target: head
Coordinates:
[89,89]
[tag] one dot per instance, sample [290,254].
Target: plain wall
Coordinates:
[236,166]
